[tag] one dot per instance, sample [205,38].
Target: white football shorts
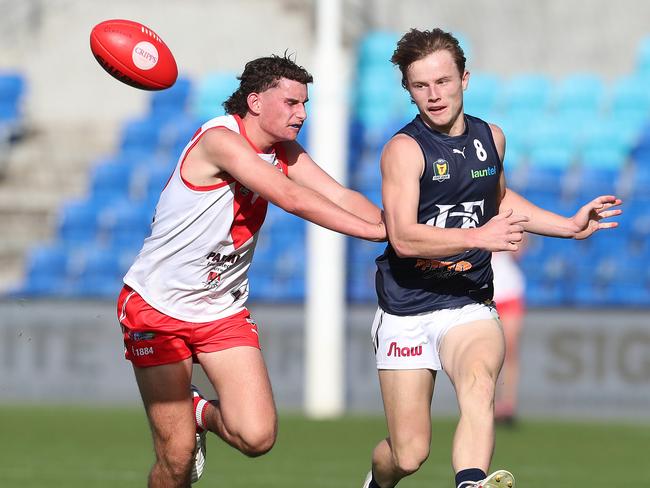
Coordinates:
[413,341]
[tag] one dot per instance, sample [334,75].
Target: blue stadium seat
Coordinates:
[637,181]
[600,155]
[45,270]
[141,135]
[547,172]
[376,48]
[172,102]
[176,133]
[150,180]
[608,277]
[125,225]
[96,273]
[554,159]
[211,92]
[278,221]
[367,174]
[110,178]
[549,265]
[630,99]
[9,114]
[361,282]
[361,269]
[12,87]
[580,92]
[617,134]
[643,58]
[482,94]
[77,224]
[545,132]
[529,92]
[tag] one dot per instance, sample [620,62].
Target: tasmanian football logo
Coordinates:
[441,170]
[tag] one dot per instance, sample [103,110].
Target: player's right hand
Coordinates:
[503,232]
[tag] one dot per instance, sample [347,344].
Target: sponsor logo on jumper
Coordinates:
[407,351]
[214,279]
[432,268]
[441,170]
[458,151]
[482,173]
[218,264]
[141,336]
[468,212]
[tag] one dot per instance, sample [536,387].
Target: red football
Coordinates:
[133,54]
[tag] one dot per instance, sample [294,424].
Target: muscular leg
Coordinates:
[472,355]
[165,392]
[407,403]
[244,416]
[506,404]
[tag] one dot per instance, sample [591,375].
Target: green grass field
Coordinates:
[100,447]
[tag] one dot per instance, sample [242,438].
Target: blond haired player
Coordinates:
[184,298]
[447,208]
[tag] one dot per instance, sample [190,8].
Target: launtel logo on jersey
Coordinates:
[481,173]
[441,170]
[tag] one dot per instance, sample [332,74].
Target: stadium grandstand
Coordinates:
[570,136]
[83,159]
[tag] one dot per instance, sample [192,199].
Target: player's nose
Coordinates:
[301,113]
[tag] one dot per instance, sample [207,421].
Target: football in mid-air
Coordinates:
[133,54]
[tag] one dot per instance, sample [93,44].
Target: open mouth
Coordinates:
[436,110]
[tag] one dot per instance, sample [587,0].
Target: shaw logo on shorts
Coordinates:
[441,170]
[399,352]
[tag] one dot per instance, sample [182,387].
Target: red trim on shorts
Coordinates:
[512,306]
[152,338]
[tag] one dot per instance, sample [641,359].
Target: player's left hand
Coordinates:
[588,218]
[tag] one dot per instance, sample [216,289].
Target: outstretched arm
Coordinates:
[223,152]
[304,171]
[584,223]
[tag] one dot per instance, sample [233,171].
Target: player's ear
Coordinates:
[465,79]
[254,103]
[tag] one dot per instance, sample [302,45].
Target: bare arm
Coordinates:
[304,171]
[580,226]
[223,151]
[402,163]
[584,223]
